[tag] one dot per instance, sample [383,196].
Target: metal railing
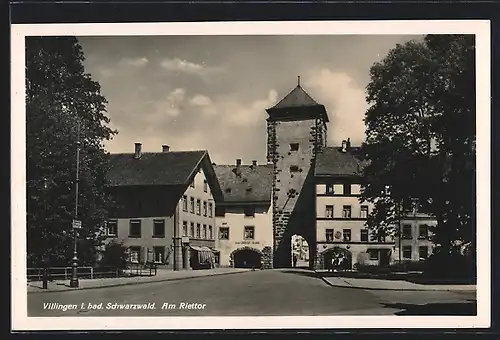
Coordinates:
[64,273]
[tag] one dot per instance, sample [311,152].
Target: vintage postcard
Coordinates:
[251,175]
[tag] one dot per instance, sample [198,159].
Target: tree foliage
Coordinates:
[420,137]
[114,256]
[59,95]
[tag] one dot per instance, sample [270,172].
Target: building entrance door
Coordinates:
[385,257]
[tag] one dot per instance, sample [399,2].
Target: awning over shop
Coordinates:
[205,254]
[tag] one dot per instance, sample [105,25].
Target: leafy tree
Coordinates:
[62,104]
[420,138]
[114,256]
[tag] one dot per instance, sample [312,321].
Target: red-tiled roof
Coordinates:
[298,97]
[247,183]
[333,162]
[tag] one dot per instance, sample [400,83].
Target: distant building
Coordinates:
[244,217]
[414,243]
[165,207]
[340,216]
[316,190]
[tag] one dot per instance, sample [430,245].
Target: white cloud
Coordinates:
[136,62]
[201,100]
[177,64]
[344,101]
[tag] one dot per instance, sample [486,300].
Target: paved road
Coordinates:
[269,292]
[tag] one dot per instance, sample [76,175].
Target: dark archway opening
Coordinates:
[247,258]
[337,259]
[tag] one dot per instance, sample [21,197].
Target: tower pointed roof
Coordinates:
[297,102]
[296,98]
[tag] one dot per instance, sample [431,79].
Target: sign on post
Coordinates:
[77,224]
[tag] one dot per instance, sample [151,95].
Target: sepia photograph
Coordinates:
[251,174]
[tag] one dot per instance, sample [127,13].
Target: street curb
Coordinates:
[397,290]
[131,283]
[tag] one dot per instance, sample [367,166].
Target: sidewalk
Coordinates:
[397,285]
[161,276]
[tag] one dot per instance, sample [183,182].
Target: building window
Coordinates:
[159,228]
[249,233]
[184,203]
[329,235]
[407,252]
[423,231]
[329,211]
[198,231]
[223,233]
[373,254]
[294,168]
[387,190]
[204,208]
[210,233]
[135,229]
[191,231]
[184,228]
[191,201]
[205,186]
[204,232]
[192,184]
[330,189]
[346,211]
[364,211]
[347,189]
[347,235]
[249,212]
[210,209]
[112,228]
[134,254]
[294,146]
[406,233]
[198,207]
[220,211]
[364,235]
[423,252]
[159,254]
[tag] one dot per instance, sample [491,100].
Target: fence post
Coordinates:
[91,273]
[65,273]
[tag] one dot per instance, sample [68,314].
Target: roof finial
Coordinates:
[298,81]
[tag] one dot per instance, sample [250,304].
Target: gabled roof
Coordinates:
[247,183]
[153,168]
[333,162]
[298,97]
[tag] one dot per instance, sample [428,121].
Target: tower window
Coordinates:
[294,168]
[294,147]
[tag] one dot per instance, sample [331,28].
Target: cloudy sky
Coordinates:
[211,92]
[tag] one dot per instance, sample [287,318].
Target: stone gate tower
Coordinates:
[296,133]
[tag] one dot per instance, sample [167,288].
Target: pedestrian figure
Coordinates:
[294,260]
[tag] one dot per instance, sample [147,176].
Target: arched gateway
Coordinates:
[246,257]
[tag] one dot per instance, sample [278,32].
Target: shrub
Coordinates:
[114,256]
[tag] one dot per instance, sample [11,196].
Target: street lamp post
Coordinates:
[74,266]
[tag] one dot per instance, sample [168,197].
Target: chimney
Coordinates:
[138,150]
[344,146]
[254,163]
[165,148]
[348,143]
[238,162]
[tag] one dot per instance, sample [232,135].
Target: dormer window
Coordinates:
[249,189]
[294,146]
[228,190]
[294,168]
